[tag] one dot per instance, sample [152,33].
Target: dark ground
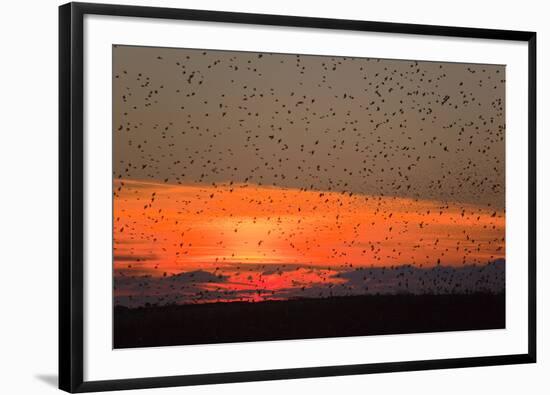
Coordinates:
[305,318]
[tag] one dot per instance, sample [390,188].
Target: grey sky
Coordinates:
[386,127]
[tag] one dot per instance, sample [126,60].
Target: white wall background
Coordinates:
[28,195]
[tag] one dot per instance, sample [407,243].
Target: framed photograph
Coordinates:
[253,197]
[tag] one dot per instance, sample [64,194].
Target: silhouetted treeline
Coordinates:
[305,318]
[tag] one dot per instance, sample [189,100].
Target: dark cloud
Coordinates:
[134,258]
[190,287]
[435,280]
[197,277]
[408,280]
[185,287]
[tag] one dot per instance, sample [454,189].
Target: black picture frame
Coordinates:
[71,223]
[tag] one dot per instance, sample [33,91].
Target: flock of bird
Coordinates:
[327,165]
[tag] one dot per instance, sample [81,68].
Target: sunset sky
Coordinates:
[247,176]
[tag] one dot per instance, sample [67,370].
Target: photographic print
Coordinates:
[266,196]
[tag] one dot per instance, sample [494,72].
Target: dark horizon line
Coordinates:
[309,299]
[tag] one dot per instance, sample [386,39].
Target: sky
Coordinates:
[254,176]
